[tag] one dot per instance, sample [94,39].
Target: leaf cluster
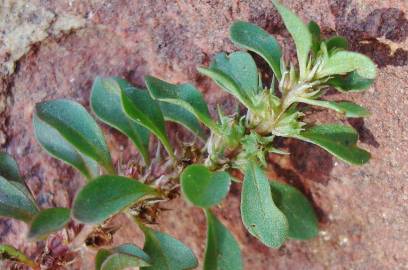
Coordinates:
[271,211]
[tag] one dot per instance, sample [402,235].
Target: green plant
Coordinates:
[271,211]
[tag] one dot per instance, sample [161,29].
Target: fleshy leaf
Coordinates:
[55,145]
[9,168]
[202,187]
[183,95]
[299,32]
[228,84]
[297,209]
[315,31]
[48,221]
[76,126]
[121,257]
[255,39]
[352,82]
[222,251]
[167,253]
[181,116]
[15,201]
[141,108]
[106,196]
[336,42]
[241,67]
[343,62]
[338,140]
[8,252]
[106,103]
[349,109]
[259,213]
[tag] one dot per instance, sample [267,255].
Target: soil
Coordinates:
[54,49]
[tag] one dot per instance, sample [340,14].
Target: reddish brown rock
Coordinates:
[363,210]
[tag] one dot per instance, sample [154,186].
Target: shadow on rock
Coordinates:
[385,23]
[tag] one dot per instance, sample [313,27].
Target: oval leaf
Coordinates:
[297,209]
[259,213]
[167,253]
[349,109]
[222,251]
[8,252]
[126,255]
[336,42]
[48,221]
[183,95]
[241,67]
[300,34]
[9,168]
[106,196]
[142,109]
[58,147]
[106,103]
[352,82]
[255,39]
[338,140]
[15,201]
[343,62]
[202,187]
[75,125]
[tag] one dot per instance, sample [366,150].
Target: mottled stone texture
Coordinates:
[363,210]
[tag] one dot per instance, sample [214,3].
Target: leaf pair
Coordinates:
[204,189]
[273,211]
[338,140]
[66,131]
[17,202]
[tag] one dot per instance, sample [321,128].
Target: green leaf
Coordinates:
[75,125]
[255,39]
[352,82]
[300,34]
[316,39]
[202,187]
[297,209]
[100,257]
[343,62]
[9,168]
[338,140]
[15,202]
[336,42]
[52,141]
[10,253]
[106,196]
[228,84]
[222,251]
[123,256]
[241,68]
[183,117]
[259,213]
[140,107]
[167,253]
[349,109]
[183,95]
[106,103]
[48,221]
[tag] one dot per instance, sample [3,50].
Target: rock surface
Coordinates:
[53,49]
